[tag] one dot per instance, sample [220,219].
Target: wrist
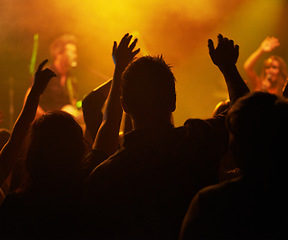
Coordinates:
[117,76]
[228,68]
[260,50]
[119,69]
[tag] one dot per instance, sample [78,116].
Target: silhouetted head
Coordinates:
[148,88]
[258,125]
[55,150]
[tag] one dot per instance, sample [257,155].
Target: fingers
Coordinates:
[125,40]
[41,65]
[114,48]
[133,44]
[222,41]
[128,39]
[210,46]
[136,52]
[124,44]
[220,38]
[50,73]
[275,41]
[46,71]
[237,48]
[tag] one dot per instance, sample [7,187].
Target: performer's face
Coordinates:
[272,69]
[70,54]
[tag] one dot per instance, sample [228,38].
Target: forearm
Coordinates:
[249,67]
[235,84]
[251,61]
[27,115]
[107,137]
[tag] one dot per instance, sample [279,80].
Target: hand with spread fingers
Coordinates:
[269,43]
[124,53]
[225,54]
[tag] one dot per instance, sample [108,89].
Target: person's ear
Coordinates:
[173,103]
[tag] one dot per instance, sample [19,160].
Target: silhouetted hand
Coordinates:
[42,77]
[269,43]
[225,54]
[124,54]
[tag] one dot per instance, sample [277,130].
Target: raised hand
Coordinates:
[123,54]
[269,43]
[225,54]
[42,77]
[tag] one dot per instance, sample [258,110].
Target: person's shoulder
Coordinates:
[208,129]
[196,123]
[220,189]
[94,158]
[104,164]
[196,127]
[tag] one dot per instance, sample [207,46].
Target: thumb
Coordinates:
[211,46]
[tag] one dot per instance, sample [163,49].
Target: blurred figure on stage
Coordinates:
[273,77]
[61,92]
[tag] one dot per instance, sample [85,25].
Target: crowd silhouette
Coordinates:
[157,181]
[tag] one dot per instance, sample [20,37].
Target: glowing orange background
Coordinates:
[177,29]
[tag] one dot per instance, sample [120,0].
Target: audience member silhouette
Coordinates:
[144,189]
[254,205]
[48,204]
[274,73]
[228,169]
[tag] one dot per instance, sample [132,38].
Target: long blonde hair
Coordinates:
[283,73]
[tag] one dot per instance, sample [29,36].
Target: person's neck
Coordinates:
[154,122]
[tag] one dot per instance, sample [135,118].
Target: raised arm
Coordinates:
[267,45]
[12,149]
[92,105]
[39,111]
[225,56]
[108,134]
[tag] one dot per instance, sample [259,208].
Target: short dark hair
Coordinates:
[148,84]
[258,124]
[58,45]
